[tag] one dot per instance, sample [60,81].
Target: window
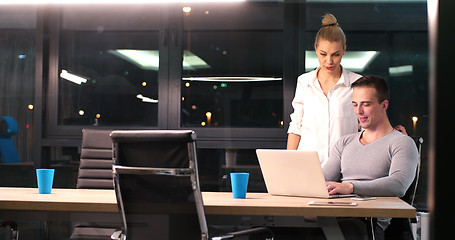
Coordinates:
[393,37]
[228,71]
[237,77]
[391,41]
[166,68]
[240,83]
[109,67]
[17,82]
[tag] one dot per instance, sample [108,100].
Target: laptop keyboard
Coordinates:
[342,195]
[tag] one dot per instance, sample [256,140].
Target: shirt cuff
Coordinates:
[293,129]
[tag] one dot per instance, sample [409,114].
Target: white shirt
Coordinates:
[320,120]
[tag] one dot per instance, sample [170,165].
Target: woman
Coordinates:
[322,103]
[323,99]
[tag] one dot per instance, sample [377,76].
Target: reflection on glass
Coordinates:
[108,78]
[237,78]
[216,164]
[397,32]
[355,61]
[17,85]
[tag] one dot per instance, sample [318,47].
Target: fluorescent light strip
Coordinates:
[355,61]
[72,78]
[192,61]
[400,70]
[146,99]
[150,59]
[79,2]
[364,1]
[232,79]
[144,59]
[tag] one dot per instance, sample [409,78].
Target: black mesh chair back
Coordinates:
[95,169]
[401,228]
[411,192]
[157,186]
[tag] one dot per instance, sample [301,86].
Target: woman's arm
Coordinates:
[296,118]
[293,141]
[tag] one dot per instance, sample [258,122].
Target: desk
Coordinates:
[65,200]
[262,205]
[265,204]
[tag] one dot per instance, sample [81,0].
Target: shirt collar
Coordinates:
[344,79]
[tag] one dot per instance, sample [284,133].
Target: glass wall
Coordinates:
[388,40]
[228,71]
[237,80]
[108,66]
[18,27]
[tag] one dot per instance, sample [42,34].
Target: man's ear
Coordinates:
[385,104]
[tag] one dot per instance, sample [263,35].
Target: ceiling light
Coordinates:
[150,59]
[72,78]
[355,61]
[144,59]
[146,99]
[108,1]
[193,62]
[365,1]
[400,70]
[232,79]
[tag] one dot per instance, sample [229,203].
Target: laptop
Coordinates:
[293,173]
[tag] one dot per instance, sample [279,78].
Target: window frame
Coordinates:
[170,46]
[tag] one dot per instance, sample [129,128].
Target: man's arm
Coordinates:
[401,173]
[332,170]
[332,167]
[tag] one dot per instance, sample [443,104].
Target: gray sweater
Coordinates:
[385,167]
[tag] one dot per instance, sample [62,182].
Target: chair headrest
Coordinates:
[120,136]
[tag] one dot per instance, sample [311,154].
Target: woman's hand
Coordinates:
[401,129]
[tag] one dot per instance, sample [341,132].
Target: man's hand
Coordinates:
[339,188]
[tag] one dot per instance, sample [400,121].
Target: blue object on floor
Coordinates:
[8,128]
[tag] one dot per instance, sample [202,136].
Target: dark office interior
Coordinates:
[225,70]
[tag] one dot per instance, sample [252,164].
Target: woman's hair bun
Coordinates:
[330,30]
[329,20]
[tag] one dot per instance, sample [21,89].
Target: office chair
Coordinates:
[157,187]
[401,228]
[95,172]
[8,128]
[10,229]
[8,154]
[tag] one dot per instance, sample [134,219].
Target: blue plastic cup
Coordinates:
[45,178]
[239,184]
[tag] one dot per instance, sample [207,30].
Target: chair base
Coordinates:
[92,233]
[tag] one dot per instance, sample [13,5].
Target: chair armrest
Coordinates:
[118,235]
[258,230]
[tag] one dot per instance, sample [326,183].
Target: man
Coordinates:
[378,161]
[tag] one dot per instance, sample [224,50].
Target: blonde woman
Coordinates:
[322,103]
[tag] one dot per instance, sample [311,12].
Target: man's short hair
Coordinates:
[382,89]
